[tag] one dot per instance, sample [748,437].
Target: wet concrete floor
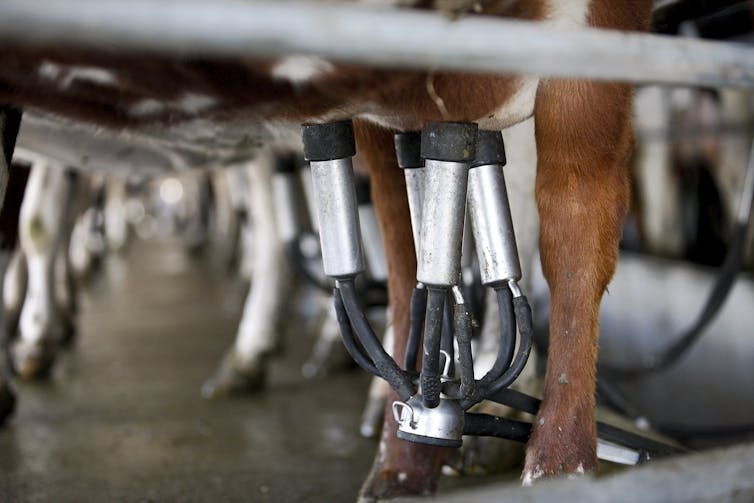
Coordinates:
[122,418]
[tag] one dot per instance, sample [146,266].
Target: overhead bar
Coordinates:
[372,36]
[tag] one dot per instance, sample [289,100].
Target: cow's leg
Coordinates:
[583,135]
[65,294]
[244,367]
[14,289]
[116,222]
[400,468]
[41,228]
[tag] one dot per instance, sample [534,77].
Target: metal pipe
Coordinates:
[448,148]
[490,213]
[408,151]
[285,198]
[371,36]
[329,148]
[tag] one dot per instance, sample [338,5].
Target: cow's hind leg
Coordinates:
[401,467]
[583,134]
[244,367]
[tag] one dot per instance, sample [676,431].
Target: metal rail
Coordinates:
[358,34]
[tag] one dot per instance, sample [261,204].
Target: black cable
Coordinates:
[418,310]
[717,297]
[507,345]
[446,339]
[430,373]
[386,366]
[347,335]
[523,402]
[485,425]
[726,278]
[462,322]
[300,264]
[523,317]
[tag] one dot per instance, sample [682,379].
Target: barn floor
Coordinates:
[122,418]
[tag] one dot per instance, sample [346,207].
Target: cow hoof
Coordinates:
[558,448]
[328,356]
[231,379]
[32,360]
[7,400]
[390,484]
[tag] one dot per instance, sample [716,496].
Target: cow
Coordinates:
[224,109]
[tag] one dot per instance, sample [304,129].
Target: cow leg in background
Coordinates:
[116,221]
[14,288]
[12,185]
[42,226]
[400,467]
[244,367]
[65,290]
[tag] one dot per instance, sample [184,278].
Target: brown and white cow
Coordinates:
[224,108]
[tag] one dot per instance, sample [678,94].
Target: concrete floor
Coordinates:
[122,418]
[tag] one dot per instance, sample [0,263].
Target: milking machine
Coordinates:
[448,168]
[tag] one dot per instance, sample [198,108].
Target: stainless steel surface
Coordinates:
[442,223]
[338,217]
[415,192]
[492,225]
[285,196]
[608,451]
[650,302]
[374,251]
[747,197]
[373,36]
[443,422]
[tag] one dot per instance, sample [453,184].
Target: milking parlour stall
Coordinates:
[365,250]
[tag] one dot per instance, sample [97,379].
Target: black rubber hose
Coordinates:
[462,322]
[386,366]
[523,317]
[300,265]
[485,425]
[347,335]
[523,402]
[507,336]
[446,340]
[430,373]
[418,311]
